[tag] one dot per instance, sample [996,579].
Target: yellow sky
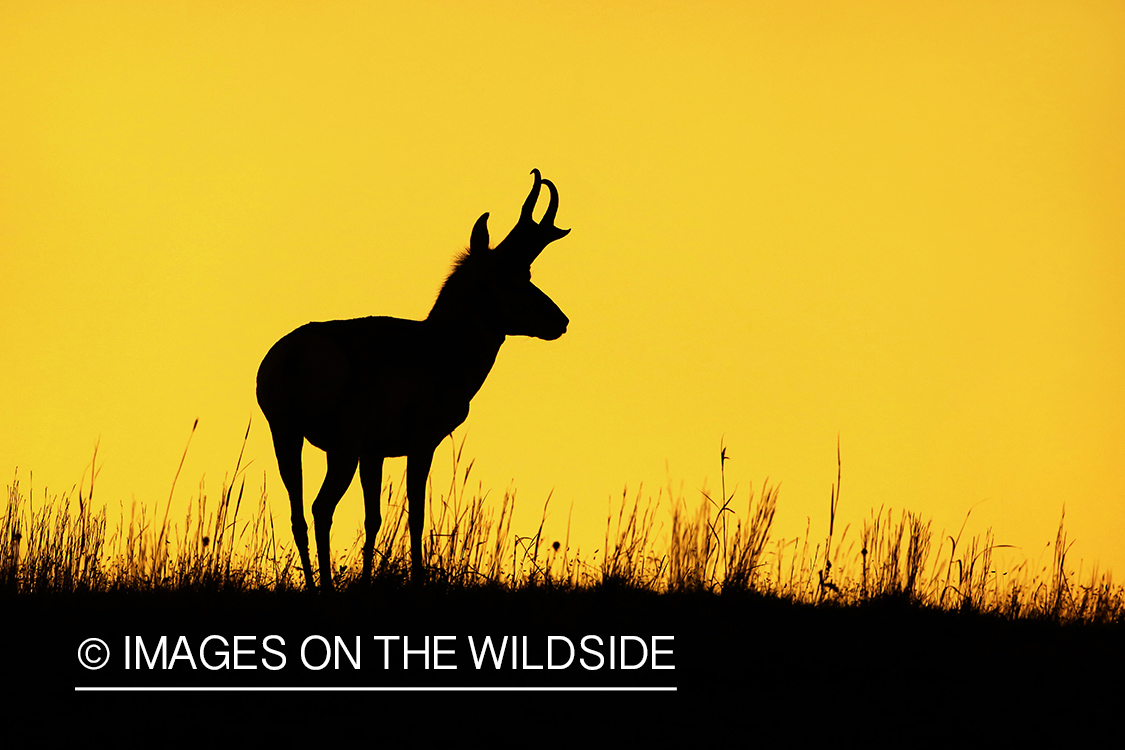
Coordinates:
[897,223]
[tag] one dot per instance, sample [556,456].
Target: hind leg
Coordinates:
[417,472]
[371,477]
[341,469]
[287,446]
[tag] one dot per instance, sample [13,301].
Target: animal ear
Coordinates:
[479,239]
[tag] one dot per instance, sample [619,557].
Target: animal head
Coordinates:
[495,283]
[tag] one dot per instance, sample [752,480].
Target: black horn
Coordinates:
[528,238]
[552,207]
[532,198]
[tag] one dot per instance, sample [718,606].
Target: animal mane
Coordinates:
[462,263]
[462,258]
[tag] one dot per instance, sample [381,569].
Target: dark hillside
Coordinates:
[745,666]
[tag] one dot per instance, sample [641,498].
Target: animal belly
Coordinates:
[386,429]
[361,402]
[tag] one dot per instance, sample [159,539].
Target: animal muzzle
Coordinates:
[555,328]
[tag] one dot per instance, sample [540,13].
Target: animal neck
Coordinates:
[466,345]
[468,338]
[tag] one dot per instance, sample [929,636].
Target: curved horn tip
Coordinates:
[553,206]
[529,202]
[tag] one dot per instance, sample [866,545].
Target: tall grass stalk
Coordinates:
[59,543]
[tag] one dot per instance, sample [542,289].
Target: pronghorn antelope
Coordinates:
[368,388]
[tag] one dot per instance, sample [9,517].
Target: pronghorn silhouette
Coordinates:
[368,388]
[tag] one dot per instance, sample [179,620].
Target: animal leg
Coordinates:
[417,471]
[371,478]
[287,446]
[341,469]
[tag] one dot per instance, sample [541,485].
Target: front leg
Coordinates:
[417,471]
[371,479]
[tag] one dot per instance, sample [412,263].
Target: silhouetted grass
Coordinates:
[59,543]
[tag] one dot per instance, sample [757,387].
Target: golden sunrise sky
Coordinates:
[902,224]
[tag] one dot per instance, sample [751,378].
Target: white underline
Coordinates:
[369,689]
